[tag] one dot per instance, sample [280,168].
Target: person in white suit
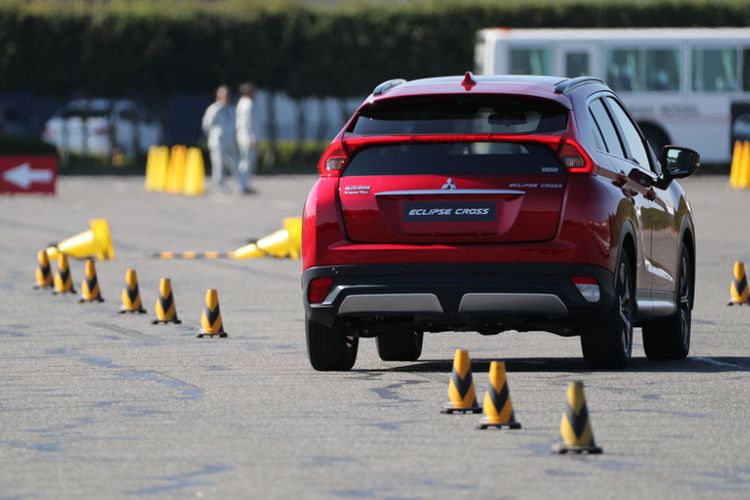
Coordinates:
[246,139]
[219,126]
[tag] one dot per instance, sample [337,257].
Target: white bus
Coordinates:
[684,86]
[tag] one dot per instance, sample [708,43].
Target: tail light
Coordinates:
[333,161]
[588,288]
[575,159]
[318,289]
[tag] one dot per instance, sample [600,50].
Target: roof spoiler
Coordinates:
[570,84]
[387,85]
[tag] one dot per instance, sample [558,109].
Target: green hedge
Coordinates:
[54,47]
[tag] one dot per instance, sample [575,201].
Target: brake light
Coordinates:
[318,290]
[588,287]
[575,159]
[333,160]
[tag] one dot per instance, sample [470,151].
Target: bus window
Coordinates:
[746,70]
[623,69]
[714,70]
[576,64]
[530,61]
[607,128]
[662,69]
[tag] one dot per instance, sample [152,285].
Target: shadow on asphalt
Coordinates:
[698,364]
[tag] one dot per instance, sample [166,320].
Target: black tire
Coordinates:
[608,344]
[400,345]
[330,349]
[669,338]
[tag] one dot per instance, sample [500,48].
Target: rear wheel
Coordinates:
[669,338]
[330,348]
[400,345]
[607,344]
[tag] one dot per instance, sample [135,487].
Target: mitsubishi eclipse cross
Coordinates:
[494,203]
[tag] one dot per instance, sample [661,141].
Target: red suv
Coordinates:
[497,203]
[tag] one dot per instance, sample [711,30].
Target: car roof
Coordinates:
[529,85]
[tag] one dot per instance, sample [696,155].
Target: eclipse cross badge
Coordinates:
[449,184]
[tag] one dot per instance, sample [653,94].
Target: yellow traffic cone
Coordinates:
[131,296]
[90,286]
[211,324]
[283,243]
[96,242]
[195,173]
[463,398]
[151,168]
[162,169]
[63,280]
[165,310]
[575,427]
[743,178]
[176,169]
[734,171]
[738,289]
[43,272]
[498,409]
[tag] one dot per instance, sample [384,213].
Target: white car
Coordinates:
[101,127]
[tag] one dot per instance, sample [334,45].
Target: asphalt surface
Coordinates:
[95,404]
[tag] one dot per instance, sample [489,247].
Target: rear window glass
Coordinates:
[461,115]
[453,158]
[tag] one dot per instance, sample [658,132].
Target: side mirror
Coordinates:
[679,162]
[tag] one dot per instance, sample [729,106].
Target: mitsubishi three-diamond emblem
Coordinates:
[449,184]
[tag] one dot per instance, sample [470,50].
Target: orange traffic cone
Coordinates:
[90,286]
[498,409]
[463,398]
[165,310]
[211,323]
[43,272]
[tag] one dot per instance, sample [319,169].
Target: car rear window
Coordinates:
[461,115]
[453,158]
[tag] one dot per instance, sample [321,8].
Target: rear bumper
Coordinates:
[461,296]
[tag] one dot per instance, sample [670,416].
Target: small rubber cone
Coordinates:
[463,398]
[165,310]
[211,324]
[498,409]
[738,289]
[575,427]
[43,271]
[131,296]
[63,280]
[195,173]
[90,286]
[96,242]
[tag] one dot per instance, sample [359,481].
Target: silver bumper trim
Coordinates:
[393,302]
[544,303]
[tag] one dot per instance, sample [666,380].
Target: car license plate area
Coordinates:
[466,211]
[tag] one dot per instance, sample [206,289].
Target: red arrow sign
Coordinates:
[28,174]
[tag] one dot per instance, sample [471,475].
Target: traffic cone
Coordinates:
[463,398]
[151,167]
[90,286]
[743,178]
[575,427]
[43,272]
[283,243]
[176,169]
[498,409]
[738,289]
[734,171]
[195,173]
[63,280]
[211,324]
[166,312]
[96,242]
[131,296]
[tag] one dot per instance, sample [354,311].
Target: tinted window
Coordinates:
[623,69]
[630,134]
[464,115]
[453,158]
[714,70]
[662,70]
[530,61]
[607,128]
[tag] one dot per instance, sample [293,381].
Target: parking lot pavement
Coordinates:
[95,404]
